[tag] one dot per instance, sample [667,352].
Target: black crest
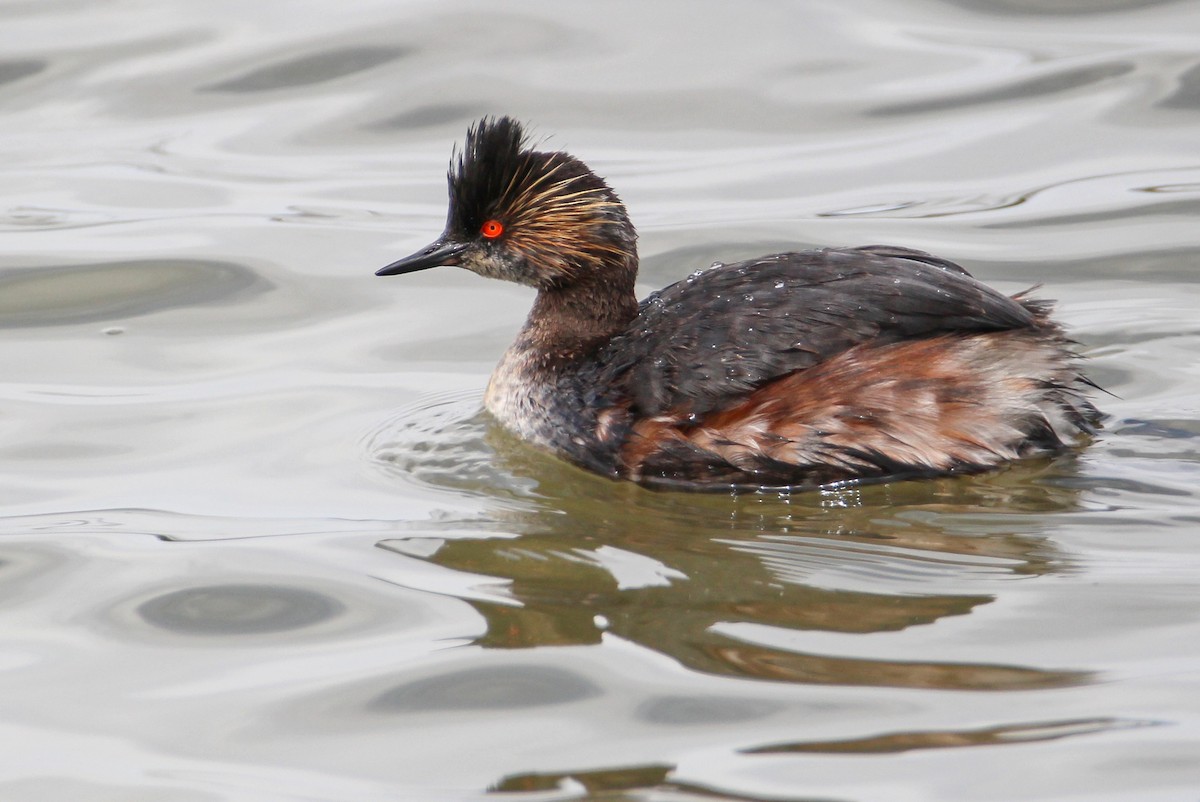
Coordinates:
[495,161]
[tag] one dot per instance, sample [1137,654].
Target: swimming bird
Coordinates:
[789,370]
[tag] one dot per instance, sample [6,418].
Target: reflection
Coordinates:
[1179,208]
[713,580]
[238,609]
[427,116]
[684,711]
[310,69]
[1054,194]
[594,782]
[513,687]
[1169,438]
[941,739]
[1187,94]
[40,217]
[1064,8]
[1171,429]
[440,442]
[774,664]
[657,777]
[26,570]
[1053,82]
[67,294]
[17,69]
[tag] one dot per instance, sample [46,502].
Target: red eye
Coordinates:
[492,229]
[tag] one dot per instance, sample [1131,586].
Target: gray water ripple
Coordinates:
[489,688]
[17,69]
[59,295]
[1052,82]
[1057,8]
[238,609]
[311,68]
[1187,93]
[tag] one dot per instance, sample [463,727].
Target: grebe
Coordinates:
[795,369]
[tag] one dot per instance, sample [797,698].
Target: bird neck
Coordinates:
[571,321]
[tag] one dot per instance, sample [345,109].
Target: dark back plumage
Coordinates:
[702,343]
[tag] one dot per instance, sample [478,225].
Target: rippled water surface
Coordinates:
[259,543]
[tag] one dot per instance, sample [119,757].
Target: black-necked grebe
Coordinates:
[795,369]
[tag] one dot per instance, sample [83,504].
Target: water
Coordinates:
[260,544]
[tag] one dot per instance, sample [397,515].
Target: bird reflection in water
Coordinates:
[684,574]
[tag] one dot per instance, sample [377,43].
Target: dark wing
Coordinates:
[714,337]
